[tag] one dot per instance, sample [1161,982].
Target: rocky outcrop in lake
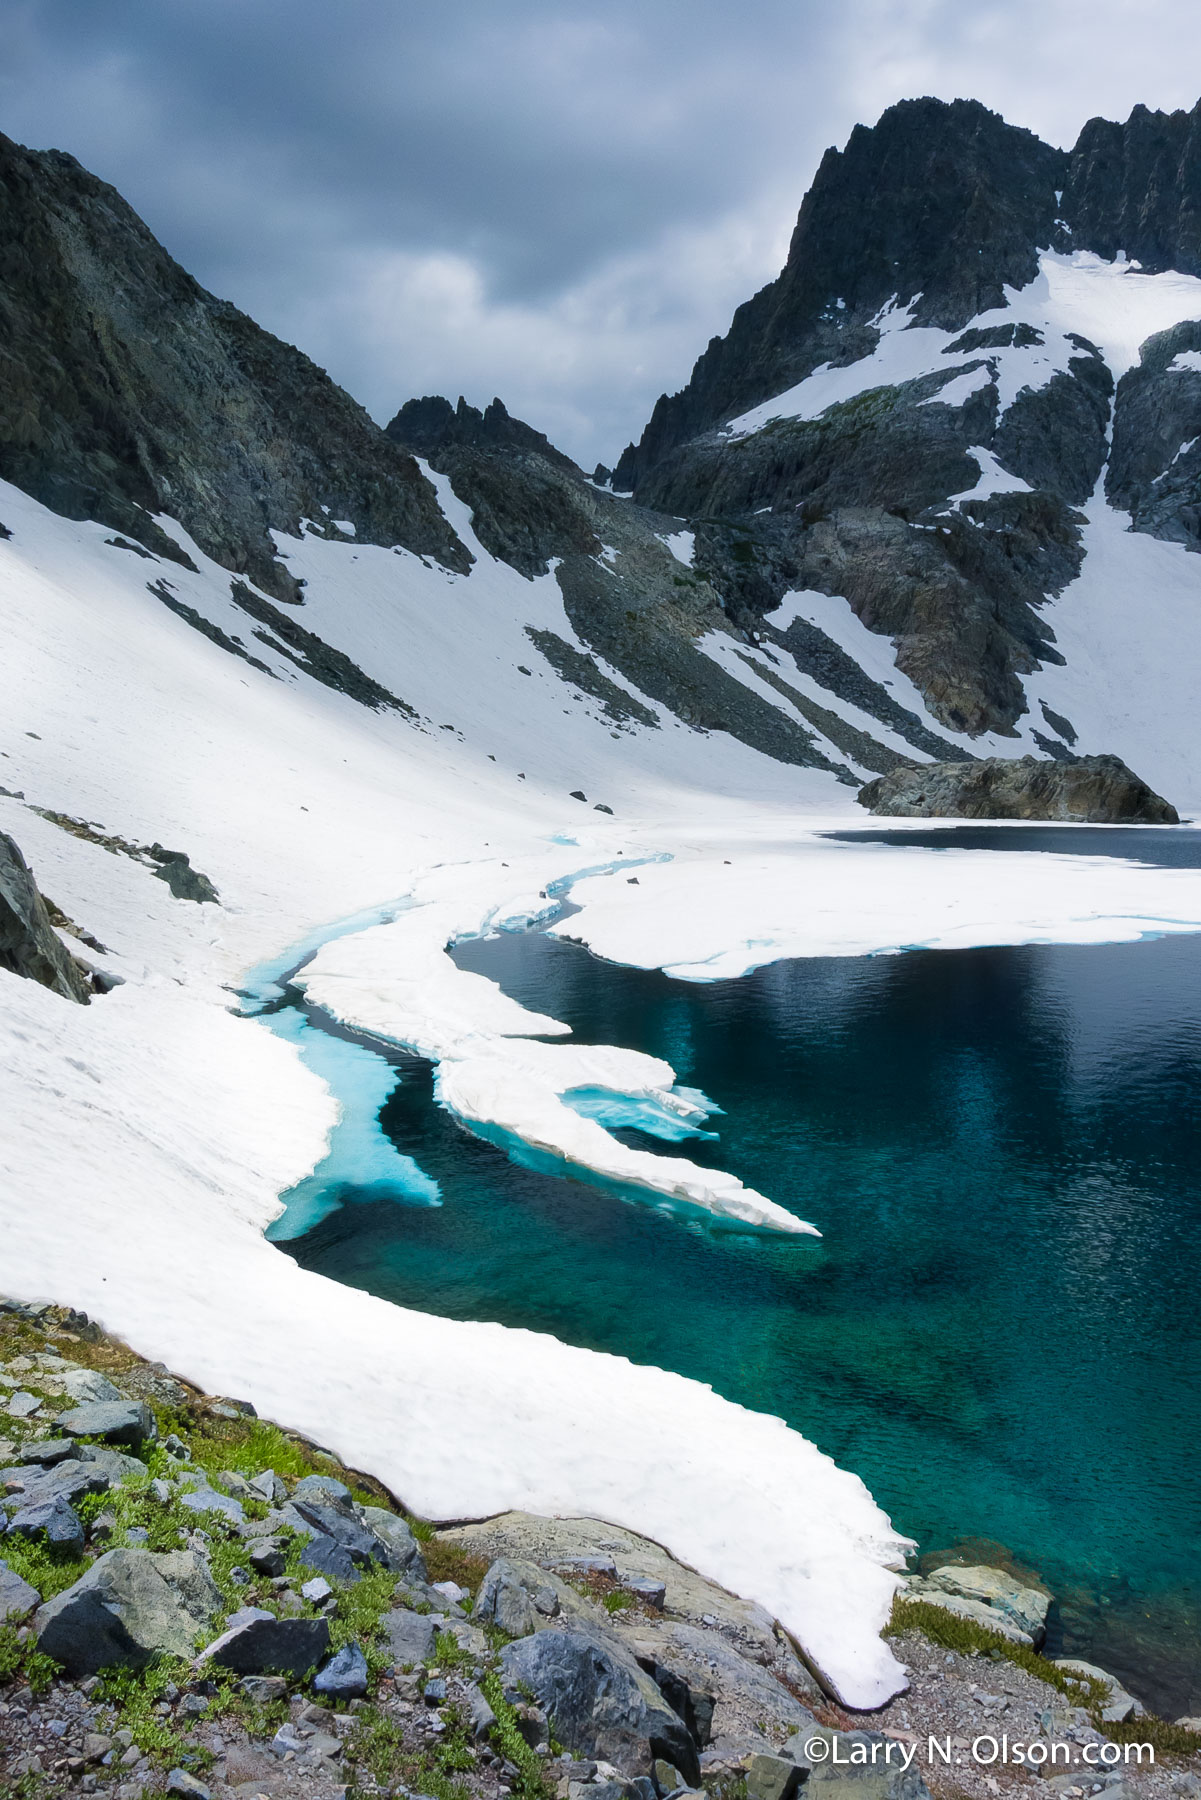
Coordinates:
[1090,790]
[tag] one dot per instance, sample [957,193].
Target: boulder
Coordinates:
[344,1676]
[262,1644]
[1091,790]
[266,1557]
[321,1488]
[599,1702]
[29,945]
[200,1497]
[990,1596]
[338,1520]
[410,1636]
[48,1451]
[130,1606]
[403,1551]
[771,1777]
[717,1691]
[84,1386]
[480,1715]
[114,1421]
[17,1598]
[1119,1705]
[52,1520]
[506,1597]
[863,1765]
[329,1558]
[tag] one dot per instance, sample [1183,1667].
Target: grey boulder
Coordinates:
[114,1421]
[599,1702]
[329,1557]
[403,1552]
[344,1676]
[519,1597]
[322,1488]
[337,1519]
[410,1636]
[863,1765]
[991,1596]
[260,1644]
[130,1606]
[1089,790]
[84,1386]
[17,1598]
[51,1520]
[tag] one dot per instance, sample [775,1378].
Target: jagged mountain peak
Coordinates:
[130,392]
[432,424]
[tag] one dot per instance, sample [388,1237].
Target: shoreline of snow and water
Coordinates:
[150,1135]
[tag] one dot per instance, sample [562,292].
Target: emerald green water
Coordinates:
[999,1328]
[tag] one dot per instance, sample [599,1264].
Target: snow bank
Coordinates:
[1113,304]
[397,982]
[702,920]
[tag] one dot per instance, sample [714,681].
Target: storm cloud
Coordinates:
[558,203]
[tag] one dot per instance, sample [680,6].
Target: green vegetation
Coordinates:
[134,1693]
[617,1600]
[508,1742]
[22,1661]
[963,1635]
[49,1571]
[448,1561]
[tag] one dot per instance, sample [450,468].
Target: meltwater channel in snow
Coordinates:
[997,1330]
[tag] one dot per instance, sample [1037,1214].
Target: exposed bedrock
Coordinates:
[29,945]
[1155,465]
[1093,790]
[129,391]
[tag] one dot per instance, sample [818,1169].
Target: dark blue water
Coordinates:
[999,1329]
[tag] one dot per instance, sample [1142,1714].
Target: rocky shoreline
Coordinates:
[196,1602]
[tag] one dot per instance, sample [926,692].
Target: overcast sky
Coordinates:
[556,201]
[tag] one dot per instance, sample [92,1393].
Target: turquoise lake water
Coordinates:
[999,1328]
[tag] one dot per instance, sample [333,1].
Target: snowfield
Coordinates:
[149,1136]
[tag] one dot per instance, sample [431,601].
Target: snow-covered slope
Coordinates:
[417,715]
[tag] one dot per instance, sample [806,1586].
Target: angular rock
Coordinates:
[85,1386]
[344,1676]
[316,1590]
[771,1778]
[54,1521]
[337,1520]
[29,945]
[201,1498]
[598,1700]
[480,1715]
[130,1606]
[329,1558]
[1091,790]
[518,1596]
[114,1421]
[652,1593]
[863,1765]
[17,1598]
[410,1636]
[269,1487]
[237,1485]
[1119,1705]
[265,1645]
[666,1778]
[403,1551]
[48,1451]
[266,1557]
[1010,1603]
[186,1787]
[263,1689]
[322,1488]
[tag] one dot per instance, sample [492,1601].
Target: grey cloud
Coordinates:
[555,202]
